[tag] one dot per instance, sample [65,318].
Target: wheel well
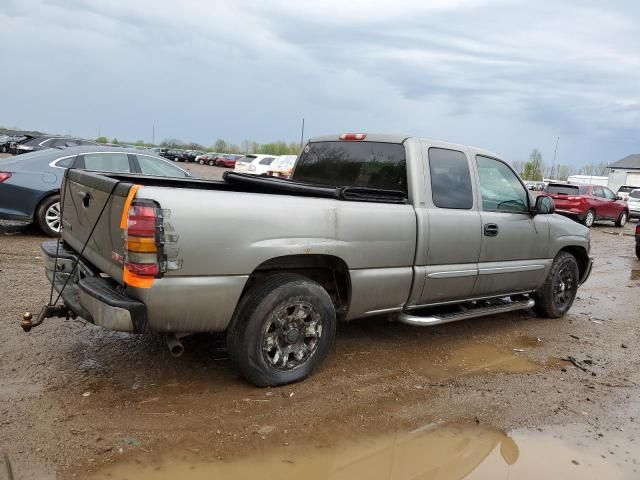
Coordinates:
[41,201]
[329,271]
[581,256]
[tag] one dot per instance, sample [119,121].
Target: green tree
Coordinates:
[115,141]
[220,146]
[139,143]
[102,140]
[533,168]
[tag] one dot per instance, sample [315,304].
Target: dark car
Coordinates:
[588,203]
[30,183]
[638,241]
[7,141]
[32,144]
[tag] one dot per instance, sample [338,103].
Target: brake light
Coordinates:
[143,243]
[353,136]
[4,176]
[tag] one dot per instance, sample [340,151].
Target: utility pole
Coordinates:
[554,155]
[302,134]
[153,134]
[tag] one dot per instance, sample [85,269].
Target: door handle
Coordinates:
[491,230]
[86,198]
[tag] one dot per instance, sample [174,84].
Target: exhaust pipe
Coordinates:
[175,345]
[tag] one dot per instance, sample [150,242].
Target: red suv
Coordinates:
[588,203]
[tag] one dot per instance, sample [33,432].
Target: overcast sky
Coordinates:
[507,75]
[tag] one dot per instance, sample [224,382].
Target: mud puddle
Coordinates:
[442,452]
[479,359]
[635,275]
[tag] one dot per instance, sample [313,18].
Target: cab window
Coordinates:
[501,189]
[450,179]
[107,162]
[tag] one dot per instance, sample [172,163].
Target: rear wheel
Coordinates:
[282,330]
[622,219]
[210,163]
[176,159]
[589,218]
[201,162]
[48,216]
[555,297]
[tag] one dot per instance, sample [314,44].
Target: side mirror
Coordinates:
[544,205]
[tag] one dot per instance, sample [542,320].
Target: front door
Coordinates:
[513,252]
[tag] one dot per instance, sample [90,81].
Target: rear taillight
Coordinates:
[143,239]
[4,176]
[353,136]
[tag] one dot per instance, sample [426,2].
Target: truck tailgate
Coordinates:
[84,196]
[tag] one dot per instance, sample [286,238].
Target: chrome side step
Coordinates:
[476,311]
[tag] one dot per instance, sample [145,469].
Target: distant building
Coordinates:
[624,172]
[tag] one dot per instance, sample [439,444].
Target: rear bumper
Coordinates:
[90,296]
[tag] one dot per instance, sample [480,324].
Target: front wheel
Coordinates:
[282,330]
[48,216]
[555,297]
[622,219]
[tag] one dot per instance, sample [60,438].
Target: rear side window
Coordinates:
[267,161]
[635,194]
[564,189]
[65,162]
[354,164]
[450,179]
[107,162]
[157,167]
[597,191]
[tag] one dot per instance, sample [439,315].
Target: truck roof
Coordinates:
[398,138]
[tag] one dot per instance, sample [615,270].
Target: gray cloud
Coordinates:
[509,75]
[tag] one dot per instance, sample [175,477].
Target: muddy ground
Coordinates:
[75,399]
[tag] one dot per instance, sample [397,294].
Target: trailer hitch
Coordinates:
[47,311]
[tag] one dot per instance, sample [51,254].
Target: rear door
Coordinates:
[599,202]
[513,254]
[451,224]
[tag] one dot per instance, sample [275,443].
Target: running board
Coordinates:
[423,321]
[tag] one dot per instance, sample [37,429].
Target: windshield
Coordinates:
[626,189]
[564,189]
[353,164]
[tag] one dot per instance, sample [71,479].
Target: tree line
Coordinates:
[535,169]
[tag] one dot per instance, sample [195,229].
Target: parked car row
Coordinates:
[32,143]
[266,165]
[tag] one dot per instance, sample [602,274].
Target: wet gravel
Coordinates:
[75,397]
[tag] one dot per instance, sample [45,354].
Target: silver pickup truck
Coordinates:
[423,231]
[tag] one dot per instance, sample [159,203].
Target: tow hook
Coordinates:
[47,311]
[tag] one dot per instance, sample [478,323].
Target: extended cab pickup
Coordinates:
[423,231]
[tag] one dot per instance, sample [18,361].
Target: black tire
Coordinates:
[176,159]
[41,215]
[622,219]
[201,162]
[589,218]
[561,282]
[638,251]
[257,313]
[210,163]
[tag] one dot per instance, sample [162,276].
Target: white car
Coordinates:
[282,166]
[633,200]
[254,164]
